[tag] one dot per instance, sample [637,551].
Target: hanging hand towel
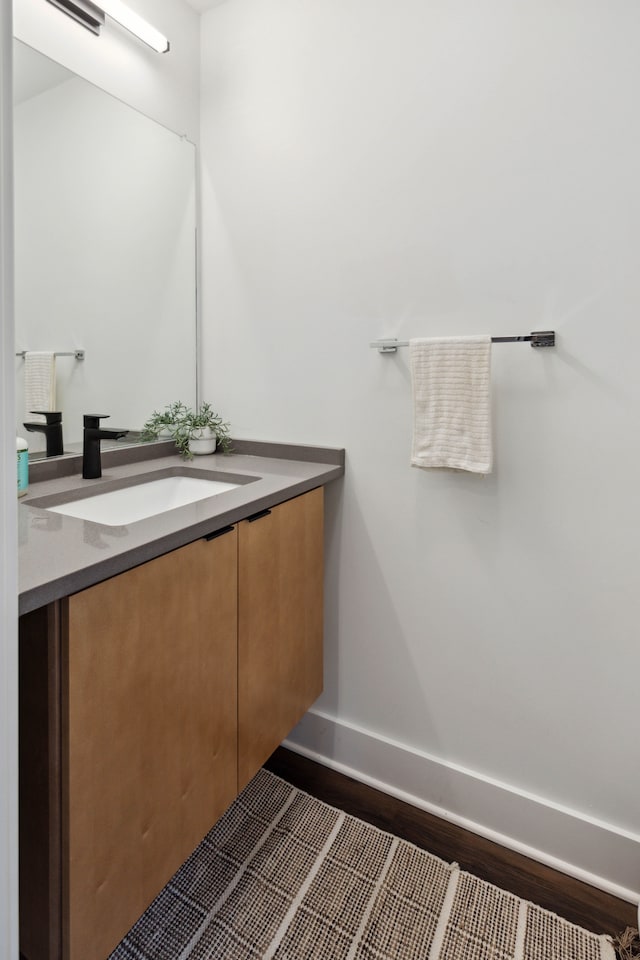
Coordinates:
[39,383]
[451,387]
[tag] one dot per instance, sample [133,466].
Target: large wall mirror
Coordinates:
[105,252]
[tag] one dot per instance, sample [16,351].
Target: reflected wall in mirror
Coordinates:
[105,250]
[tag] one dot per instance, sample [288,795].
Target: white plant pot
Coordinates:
[203,442]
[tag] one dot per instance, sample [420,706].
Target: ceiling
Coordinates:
[34,73]
[202,5]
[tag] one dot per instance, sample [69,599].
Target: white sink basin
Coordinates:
[120,507]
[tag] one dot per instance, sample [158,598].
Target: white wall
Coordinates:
[162,86]
[8,533]
[411,169]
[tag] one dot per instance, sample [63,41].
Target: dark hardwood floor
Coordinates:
[569,898]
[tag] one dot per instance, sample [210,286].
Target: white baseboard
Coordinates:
[574,843]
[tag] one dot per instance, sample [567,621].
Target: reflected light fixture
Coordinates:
[92,15]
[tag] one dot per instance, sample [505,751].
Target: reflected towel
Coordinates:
[451,387]
[39,383]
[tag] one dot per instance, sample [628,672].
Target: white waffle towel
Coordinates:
[39,383]
[451,387]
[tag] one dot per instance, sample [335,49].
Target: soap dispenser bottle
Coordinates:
[22,448]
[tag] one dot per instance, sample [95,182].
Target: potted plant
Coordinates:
[161,424]
[198,431]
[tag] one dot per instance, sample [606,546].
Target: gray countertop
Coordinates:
[59,555]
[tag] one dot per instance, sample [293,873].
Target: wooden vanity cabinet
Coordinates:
[147,702]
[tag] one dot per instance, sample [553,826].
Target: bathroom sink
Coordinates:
[144,499]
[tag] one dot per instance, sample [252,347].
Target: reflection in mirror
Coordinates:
[105,252]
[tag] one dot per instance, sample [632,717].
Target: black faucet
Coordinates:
[93,434]
[52,430]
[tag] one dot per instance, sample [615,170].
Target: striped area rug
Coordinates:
[284,876]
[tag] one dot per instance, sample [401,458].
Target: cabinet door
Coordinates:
[280,572]
[149,715]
